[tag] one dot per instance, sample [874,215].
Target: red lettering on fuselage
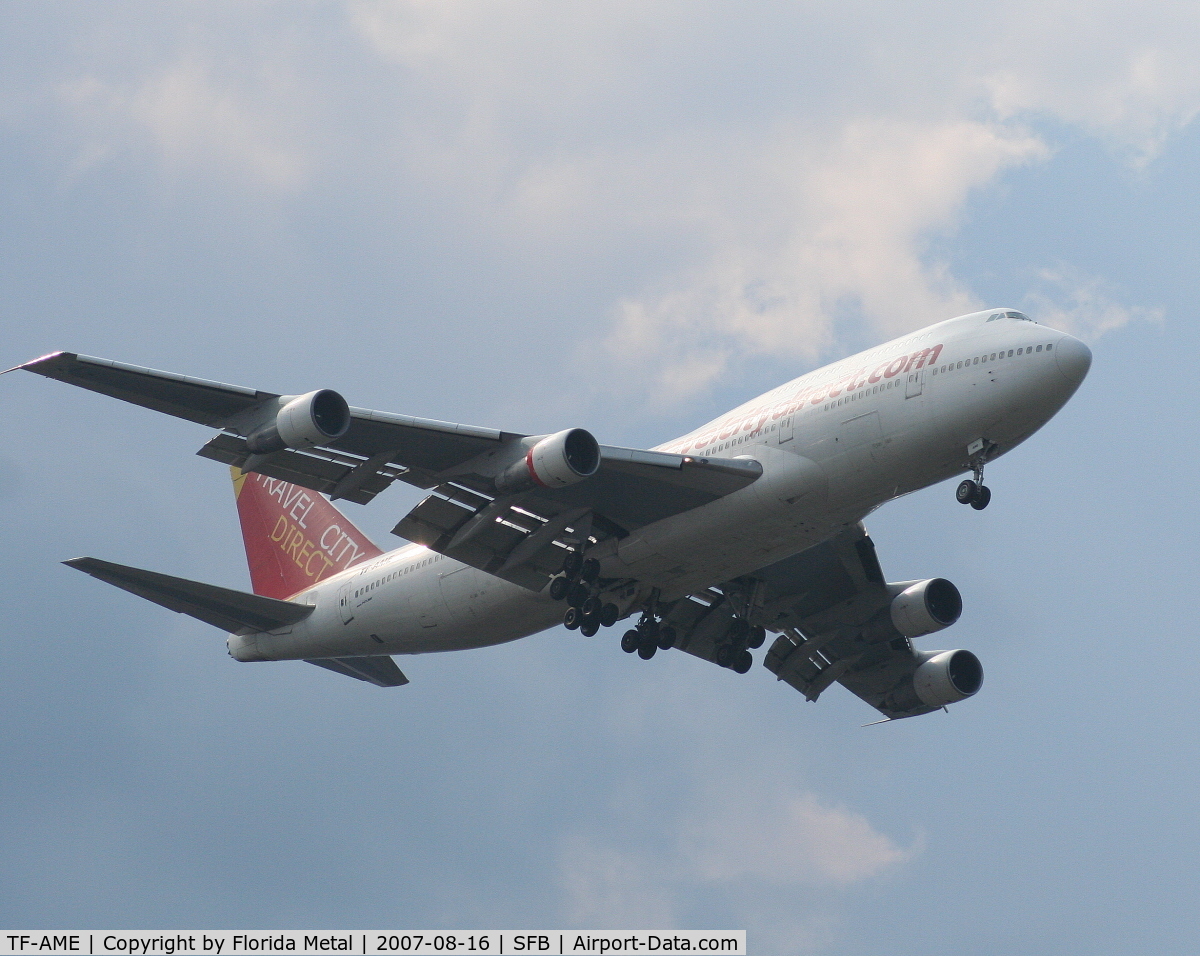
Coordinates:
[810,395]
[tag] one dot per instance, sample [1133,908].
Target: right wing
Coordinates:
[518,536]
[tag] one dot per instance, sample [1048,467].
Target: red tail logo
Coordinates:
[294,537]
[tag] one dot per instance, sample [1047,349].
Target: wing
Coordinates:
[517,534]
[376,449]
[831,607]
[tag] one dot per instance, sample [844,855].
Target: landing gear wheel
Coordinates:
[572,563]
[756,637]
[966,492]
[577,595]
[982,497]
[724,655]
[559,588]
[666,638]
[590,570]
[590,626]
[609,614]
[572,619]
[647,649]
[738,630]
[591,607]
[631,641]
[742,662]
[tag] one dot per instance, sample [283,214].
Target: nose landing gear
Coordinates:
[973,491]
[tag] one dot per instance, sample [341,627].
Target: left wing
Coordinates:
[495,504]
[833,611]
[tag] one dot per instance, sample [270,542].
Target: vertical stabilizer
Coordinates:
[294,537]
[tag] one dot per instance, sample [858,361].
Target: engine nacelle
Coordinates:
[947,677]
[306,421]
[554,462]
[925,607]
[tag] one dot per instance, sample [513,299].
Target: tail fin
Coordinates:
[294,537]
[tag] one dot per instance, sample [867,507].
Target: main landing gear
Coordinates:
[649,637]
[734,653]
[577,586]
[973,491]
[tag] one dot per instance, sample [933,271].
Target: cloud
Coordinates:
[774,230]
[193,122]
[780,838]
[605,887]
[795,841]
[783,177]
[1127,75]
[1081,304]
[832,227]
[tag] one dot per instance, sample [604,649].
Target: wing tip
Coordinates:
[40,360]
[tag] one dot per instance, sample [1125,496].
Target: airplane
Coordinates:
[748,525]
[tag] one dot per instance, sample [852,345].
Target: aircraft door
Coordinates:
[915,384]
[787,428]
[346,602]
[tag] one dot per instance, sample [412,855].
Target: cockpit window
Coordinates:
[1019,316]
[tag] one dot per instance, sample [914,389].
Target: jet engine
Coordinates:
[307,420]
[925,607]
[947,677]
[554,462]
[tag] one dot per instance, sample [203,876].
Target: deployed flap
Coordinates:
[380,670]
[227,609]
[522,538]
[634,488]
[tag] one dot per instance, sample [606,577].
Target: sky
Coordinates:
[628,217]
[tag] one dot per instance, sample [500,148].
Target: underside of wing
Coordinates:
[197,400]
[832,610]
[523,537]
[838,622]
[490,505]
[354,454]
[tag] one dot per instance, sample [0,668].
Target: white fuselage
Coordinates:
[834,445]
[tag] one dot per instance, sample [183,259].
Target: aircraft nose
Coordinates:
[1073,358]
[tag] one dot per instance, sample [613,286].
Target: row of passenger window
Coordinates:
[395,574]
[995,356]
[951,367]
[874,390]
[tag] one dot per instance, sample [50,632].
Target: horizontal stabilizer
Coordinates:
[230,610]
[380,670]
